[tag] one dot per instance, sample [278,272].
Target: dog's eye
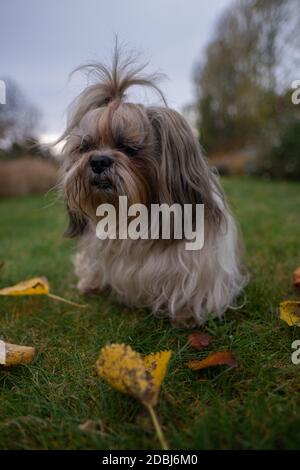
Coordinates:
[130,150]
[85,146]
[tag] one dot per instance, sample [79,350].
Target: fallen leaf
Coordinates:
[296,277]
[215,359]
[13,354]
[289,311]
[124,370]
[128,372]
[2,264]
[199,340]
[156,364]
[35,286]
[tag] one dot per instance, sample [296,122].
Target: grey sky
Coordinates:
[41,41]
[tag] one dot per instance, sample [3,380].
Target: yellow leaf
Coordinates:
[126,371]
[156,364]
[35,286]
[289,312]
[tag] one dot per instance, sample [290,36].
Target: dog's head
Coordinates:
[118,148]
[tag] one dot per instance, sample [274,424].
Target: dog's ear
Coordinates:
[77,224]
[185,176]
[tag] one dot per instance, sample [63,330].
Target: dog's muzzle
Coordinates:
[100,165]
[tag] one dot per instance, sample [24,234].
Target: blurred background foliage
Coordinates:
[245,115]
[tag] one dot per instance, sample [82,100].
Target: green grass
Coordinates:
[254,406]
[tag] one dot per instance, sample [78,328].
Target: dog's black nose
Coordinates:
[99,163]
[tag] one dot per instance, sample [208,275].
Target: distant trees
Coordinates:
[19,121]
[283,158]
[244,82]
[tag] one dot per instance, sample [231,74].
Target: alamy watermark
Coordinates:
[2,92]
[296,93]
[161,221]
[296,354]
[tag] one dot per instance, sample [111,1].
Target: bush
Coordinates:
[283,160]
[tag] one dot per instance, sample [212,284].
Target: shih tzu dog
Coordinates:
[150,154]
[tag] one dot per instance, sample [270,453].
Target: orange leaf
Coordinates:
[199,340]
[215,359]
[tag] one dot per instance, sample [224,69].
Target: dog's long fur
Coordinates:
[157,159]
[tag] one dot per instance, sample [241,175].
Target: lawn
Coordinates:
[256,405]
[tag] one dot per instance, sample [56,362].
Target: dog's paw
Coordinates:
[85,289]
[183,319]
[91,290]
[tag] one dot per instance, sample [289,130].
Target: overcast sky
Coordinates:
[41,41]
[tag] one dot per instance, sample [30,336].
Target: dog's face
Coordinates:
[117,148]
[111,153]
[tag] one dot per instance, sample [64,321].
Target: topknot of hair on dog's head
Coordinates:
[110,83]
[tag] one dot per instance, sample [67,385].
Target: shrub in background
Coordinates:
[283,159]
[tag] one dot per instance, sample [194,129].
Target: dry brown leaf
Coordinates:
[289,311]
[296,277]
[215,359]
[200,340]
[13,354]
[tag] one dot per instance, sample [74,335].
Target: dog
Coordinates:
[115,147]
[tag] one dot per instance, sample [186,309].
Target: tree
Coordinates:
[245,72]
[18,117]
